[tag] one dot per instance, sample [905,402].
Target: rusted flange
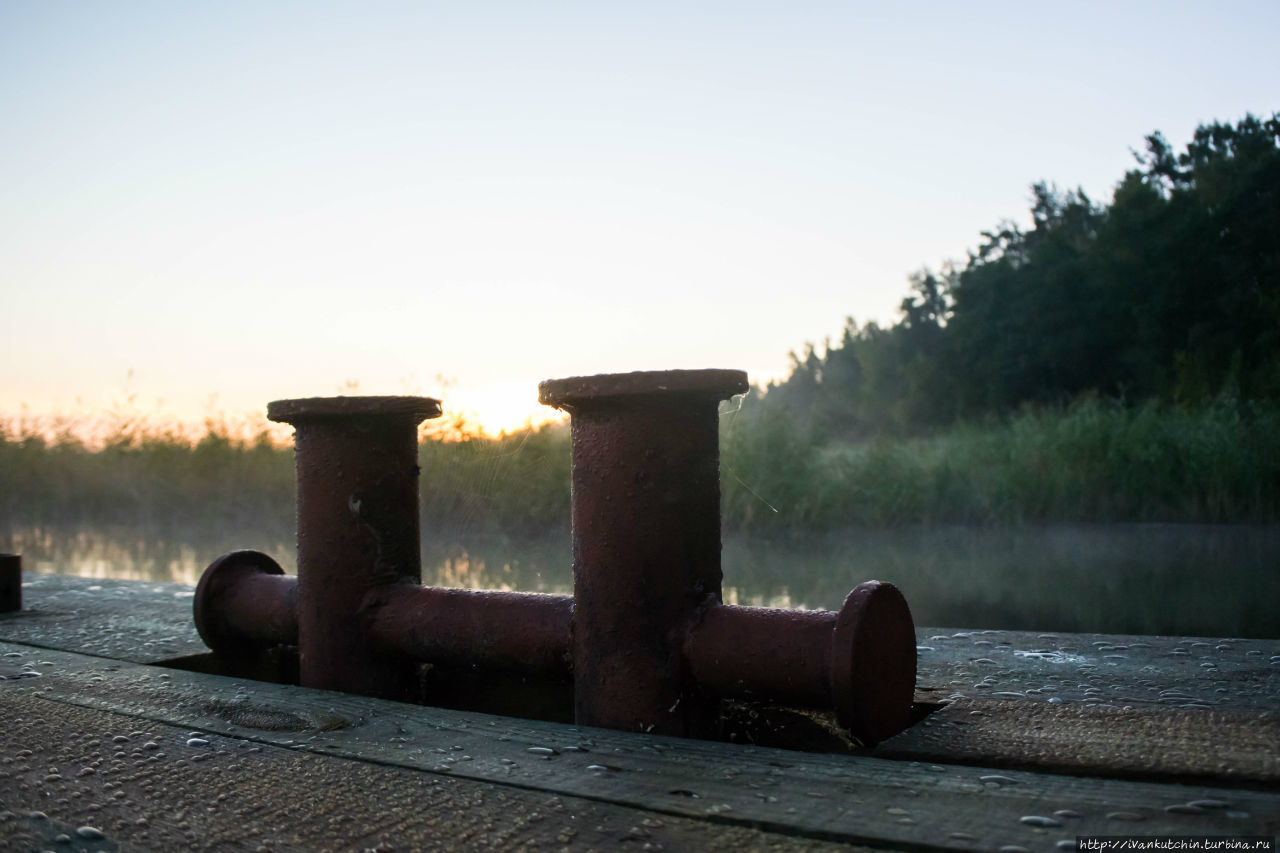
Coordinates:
[873,662]
[710,382]
[235,613]
[315,408]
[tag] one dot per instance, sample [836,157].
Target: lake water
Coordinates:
[1192,580]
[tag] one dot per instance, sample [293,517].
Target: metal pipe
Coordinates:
[525,632]
[861,661]
[757,652]
[245,602]
[10,583]
[646,541]
[357,467]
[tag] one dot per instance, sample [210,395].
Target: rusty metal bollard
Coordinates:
[646,638]
[10,583]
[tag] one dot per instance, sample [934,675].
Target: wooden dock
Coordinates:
[1026,741]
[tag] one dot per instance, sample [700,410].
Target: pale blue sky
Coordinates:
[267,199]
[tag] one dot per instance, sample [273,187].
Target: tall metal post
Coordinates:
[646,541]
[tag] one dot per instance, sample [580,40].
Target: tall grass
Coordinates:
[156,477]
[151,477]
[515,483]
[1094,461]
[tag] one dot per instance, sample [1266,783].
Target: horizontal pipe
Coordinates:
[245,602]
[859,662]
[525,632]
[758,652]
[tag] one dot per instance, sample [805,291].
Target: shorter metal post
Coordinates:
[357,462]
[10,583]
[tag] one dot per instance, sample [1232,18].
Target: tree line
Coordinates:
[1169,293]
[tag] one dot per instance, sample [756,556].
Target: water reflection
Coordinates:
[126,553]
[1187,580]
[1193,580]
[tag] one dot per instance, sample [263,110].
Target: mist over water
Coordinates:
[1175,579]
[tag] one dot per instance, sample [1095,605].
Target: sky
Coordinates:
[208,206]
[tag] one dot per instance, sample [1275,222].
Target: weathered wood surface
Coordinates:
[851,799]
[1147,707]
[141,785]
[1206,734]
[124,620]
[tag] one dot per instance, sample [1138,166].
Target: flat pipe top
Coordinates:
[330,408]
[642,383]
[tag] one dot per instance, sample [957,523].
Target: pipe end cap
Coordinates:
[221,574]
[873,662]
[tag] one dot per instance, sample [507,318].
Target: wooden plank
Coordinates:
[1185,745]
[1101,669]
[123,620]
[1149,707]
[862,800]
[141,786]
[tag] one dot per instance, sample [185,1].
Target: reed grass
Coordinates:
[1093,461]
